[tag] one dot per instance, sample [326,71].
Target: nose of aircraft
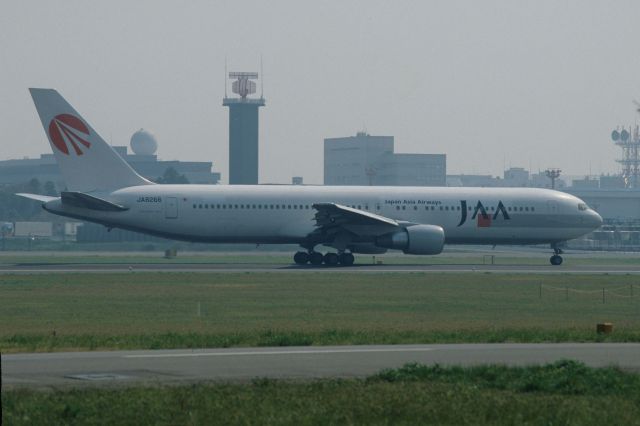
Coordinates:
[594,219]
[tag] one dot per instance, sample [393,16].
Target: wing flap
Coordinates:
[332,214]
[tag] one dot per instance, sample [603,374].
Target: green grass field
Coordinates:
[179,310]
[566,393]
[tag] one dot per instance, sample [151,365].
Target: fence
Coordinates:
[626,291]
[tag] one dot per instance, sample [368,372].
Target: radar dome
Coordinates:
[143,143]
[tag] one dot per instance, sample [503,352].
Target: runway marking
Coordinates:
[295,352]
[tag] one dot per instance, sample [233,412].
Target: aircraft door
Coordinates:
[171,208]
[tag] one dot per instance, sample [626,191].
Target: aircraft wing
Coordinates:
[333,217]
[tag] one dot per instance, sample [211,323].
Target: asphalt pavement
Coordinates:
[72,369]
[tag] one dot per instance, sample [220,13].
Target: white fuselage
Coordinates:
[285,214]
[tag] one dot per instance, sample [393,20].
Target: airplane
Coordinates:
[103,188]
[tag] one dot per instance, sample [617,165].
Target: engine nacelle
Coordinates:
[416,239]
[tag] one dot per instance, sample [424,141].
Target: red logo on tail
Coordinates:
[67,129]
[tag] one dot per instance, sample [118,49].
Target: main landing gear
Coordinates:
[556,259]
[329,259]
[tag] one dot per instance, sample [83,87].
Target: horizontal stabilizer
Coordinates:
[37,197]
[86,201]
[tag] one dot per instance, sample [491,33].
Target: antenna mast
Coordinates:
[261,81]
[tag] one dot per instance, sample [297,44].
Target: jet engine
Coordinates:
[416,239]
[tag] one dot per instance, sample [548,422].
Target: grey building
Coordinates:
[485,181]
[614,205]
[516,176]
[370,160]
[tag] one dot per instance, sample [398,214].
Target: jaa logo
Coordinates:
[480,213]
[68,130]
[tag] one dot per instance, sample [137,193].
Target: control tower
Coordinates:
[243,129]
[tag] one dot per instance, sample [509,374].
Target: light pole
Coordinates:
[553,174]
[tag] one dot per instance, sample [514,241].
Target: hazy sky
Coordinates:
[489,83]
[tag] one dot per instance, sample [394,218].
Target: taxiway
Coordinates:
[183,366]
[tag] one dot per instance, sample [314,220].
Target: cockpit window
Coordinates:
[582,206]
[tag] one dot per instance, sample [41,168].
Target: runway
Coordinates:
[52,268]
[45,370]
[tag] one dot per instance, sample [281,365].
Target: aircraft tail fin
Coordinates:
[86,161]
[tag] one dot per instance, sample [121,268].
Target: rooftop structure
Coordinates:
[629,142]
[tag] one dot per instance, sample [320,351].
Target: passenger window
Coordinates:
[533,209]
[194,206]
[526,209]
[415,207]
[289,206]
[199,206]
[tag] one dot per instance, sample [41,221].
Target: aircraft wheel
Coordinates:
[315,258]
[301,258]
[330,259]
[556,260]
[346,259]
